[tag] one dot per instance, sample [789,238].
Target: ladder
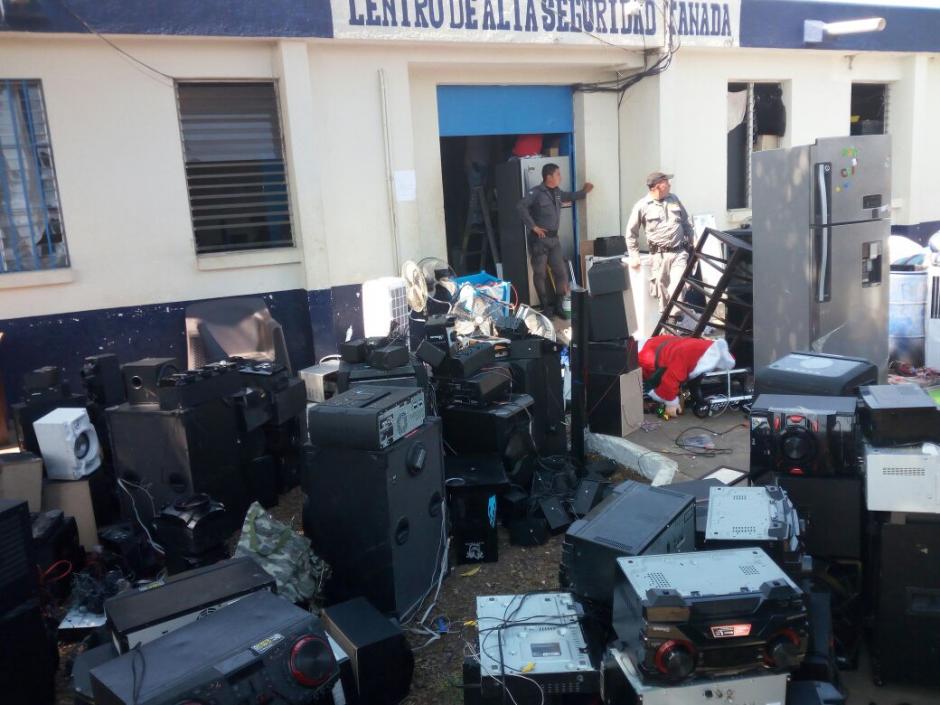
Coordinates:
[488,247]
[728,256]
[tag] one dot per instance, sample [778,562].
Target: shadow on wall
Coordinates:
[131,333]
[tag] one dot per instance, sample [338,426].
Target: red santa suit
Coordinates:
[681,359]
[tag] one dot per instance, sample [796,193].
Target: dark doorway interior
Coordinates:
[467,161]
[868,108]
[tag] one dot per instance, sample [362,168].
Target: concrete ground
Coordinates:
[735,439]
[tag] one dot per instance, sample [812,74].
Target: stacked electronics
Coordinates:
[708,620]
[634,520]
[27,650]
[901,461]
[374,484]
[861,464]
[378,360]
[613,369]
[179,434]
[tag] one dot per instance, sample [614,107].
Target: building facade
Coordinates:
[157,154]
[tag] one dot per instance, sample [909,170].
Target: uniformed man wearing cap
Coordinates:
[540,210]
[669,235]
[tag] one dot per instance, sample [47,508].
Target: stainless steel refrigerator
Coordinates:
[513,180]
[820,235]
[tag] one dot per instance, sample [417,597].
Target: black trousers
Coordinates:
[544,253]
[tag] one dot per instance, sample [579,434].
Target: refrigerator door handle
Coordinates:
[825,250]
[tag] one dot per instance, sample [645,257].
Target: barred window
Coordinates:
[235,168]
[31,233]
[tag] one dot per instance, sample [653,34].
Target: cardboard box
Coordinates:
[21,478]
[615,403]
[73,497]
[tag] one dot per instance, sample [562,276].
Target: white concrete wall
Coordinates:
[677,121]
[119,164]
[354,114]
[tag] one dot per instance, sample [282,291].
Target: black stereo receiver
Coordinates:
[262,649]
[369,418]
[804,435]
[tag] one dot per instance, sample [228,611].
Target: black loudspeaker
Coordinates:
[539,376]
[39,401]
[613,357]
[142,377]
[55,538]
[28,657]
[502,429]
[102,380]
[833,509]
[377,517]
[804,435]
[18,574]
[608,277]
[610,246]
[907,621]
[176,454]
[611,316]
[191,526]
[530,531]
[474,484]
[382,662]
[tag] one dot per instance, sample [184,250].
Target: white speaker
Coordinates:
[68,444]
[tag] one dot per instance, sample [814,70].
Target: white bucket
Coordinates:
[646,305]
[907,310]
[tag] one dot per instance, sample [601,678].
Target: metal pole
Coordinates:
[579,367]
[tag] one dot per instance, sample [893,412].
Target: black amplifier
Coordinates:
[370,418]
[414,374]
[194,387]
[712,613]
[819,374]
[262,649]
[895,414]
[804,435]
[478,390]
[139,616]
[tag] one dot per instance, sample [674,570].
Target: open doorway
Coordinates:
[473,161]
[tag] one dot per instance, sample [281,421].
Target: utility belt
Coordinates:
[655,250]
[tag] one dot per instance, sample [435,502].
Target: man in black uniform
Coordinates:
[540,210]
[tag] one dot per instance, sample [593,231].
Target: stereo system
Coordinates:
[716,613]
[804,435]
[259,649]
[536,635]
[141,615]
[636,519]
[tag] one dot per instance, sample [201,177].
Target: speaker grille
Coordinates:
[14,554]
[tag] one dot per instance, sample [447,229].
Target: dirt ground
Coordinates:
[438,666]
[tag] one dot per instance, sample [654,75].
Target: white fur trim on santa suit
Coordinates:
[717,357]
[667,402]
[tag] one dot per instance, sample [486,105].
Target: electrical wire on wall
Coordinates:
[621,85]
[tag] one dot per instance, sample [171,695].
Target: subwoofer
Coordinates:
[377,517]
[175,454]
[142,377]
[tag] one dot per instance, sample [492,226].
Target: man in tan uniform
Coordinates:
[669,235]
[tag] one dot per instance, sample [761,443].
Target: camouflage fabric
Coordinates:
[284,554]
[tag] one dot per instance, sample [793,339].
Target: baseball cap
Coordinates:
[655,178]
